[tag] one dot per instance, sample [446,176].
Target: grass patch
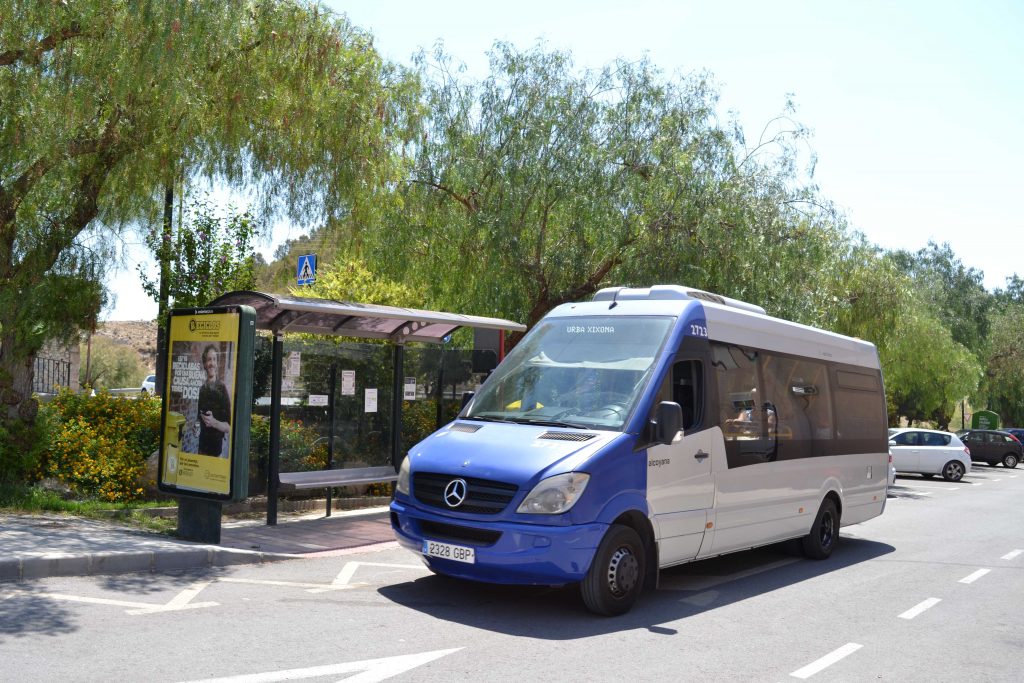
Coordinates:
[22,499]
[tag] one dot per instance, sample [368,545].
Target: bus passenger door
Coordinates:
[680,490]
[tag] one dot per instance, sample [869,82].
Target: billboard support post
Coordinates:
[199,519]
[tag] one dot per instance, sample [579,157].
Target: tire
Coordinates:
[953,470]
[616,575]
[824,534]
[1010,460]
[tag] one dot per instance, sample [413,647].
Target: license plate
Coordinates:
[448,551]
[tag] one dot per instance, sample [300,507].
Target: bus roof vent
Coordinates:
[566,436]
[671,293]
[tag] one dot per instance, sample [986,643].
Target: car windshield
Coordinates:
[586,372]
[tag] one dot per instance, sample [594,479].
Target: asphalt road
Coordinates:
[930,591]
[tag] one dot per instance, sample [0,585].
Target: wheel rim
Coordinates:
[826,533]
[623,572]
[1010,461]
[954,471]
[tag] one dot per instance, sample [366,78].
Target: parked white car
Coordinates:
[929,452]
[149,384]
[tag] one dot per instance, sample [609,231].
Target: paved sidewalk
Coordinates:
[37,546]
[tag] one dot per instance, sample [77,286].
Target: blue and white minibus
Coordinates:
[644,429]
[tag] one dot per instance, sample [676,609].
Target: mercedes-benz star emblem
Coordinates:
[455,493]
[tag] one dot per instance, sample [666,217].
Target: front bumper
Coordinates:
[526,554]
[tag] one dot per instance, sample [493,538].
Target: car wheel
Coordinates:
[819,543]
[953,470]
[616,575]
[1010,460]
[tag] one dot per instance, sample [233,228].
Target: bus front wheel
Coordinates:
[616,575]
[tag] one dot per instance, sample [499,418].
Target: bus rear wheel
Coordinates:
[616,575]
[820,542]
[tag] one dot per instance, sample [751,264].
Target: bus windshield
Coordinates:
[586,372]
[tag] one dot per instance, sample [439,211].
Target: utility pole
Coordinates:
[164,255]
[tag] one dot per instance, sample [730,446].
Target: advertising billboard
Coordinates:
[207,401]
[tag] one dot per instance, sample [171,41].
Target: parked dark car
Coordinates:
[1016,431]
[992,446]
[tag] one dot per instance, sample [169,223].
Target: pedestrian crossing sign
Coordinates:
[305,272]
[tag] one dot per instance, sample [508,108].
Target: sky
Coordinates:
[915,107]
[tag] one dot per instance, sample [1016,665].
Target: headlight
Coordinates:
[555,495]
[402,486]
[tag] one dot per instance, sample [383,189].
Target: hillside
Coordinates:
[138,334]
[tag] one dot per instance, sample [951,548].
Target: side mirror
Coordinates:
[467,396]
[668,420]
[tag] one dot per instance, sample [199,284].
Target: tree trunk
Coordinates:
[16,374]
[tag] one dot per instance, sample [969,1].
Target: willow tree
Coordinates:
[542,183]
[103,104]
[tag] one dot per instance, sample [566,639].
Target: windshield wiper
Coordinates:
[549,423]
[487,418]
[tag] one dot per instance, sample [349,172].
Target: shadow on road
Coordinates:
[559,614]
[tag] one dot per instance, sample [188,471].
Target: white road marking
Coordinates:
[1012,476]
[341,581]
[917,609]
[181,601]
[936,488]
[1012,554]
[369,670]
[321,587]
[826,661]
[995,479]
[975,576]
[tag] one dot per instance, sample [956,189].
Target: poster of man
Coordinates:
[201,390]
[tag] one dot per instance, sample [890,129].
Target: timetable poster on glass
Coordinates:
[207,400]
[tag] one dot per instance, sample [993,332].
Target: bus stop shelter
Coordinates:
[281,314]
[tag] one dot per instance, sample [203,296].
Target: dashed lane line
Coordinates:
[919,608]
[971,578]
[1012,554]
[826,661]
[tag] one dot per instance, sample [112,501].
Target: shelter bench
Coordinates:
[349,476]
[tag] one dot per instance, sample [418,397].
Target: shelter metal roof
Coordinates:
[286,313]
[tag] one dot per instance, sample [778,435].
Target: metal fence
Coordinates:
[50,373]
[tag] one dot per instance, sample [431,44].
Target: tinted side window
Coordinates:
[746,417]
[860,411]
[798,389]
[907,438]
[934,439]
[688,391]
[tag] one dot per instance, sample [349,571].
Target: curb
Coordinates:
[25,568]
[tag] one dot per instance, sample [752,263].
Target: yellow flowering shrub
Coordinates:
[100,443]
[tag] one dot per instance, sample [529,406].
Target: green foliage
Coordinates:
[23,447]
[349,279]
[1003,385]
[541,184]
[302,449]
[103,105]
[100,443]
[111,364]
[212,254]
[926,372]
[952,290]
